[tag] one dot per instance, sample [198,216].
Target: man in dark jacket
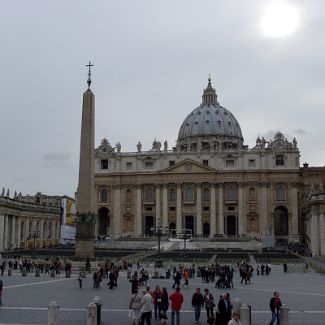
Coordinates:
[275,304]
[197,303]
[225,308]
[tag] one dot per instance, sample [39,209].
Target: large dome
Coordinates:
[210,119]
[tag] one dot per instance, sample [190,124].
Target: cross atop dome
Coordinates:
[209,94]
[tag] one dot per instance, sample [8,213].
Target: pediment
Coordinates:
[188,166]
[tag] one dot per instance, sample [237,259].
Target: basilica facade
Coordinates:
[210,183]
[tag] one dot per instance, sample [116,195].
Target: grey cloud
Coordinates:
[57,157]
[300,132]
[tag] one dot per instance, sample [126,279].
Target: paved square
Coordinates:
[25,299]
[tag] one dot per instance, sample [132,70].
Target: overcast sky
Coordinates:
[152,60]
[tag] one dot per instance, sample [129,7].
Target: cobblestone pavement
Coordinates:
[25,299]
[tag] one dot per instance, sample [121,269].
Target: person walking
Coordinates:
[1,287]
[80,278]
[176,299]
[197,303]
[135,307]
[209,303]
[146,307]
[235,319]
[156,296]
[164,306]
[275,304]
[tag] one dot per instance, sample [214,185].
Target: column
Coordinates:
[2,230]
[198,210]
[165,206]
[221,227]
[138,214]
[322,234]
[241,210]
[294,205]
[41,235]
[158,220]
[6,234]
[314,230]
[264,224]
[18,232]
[27,231]
[13,232]
[52,229]
[212,210]
[117,212]
[179,208]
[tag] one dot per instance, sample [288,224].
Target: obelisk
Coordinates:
[85,225]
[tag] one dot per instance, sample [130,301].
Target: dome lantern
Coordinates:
[209,95]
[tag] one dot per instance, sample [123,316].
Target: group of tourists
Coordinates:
[264,269]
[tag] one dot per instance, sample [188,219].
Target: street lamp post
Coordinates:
[159,231]
[184,237]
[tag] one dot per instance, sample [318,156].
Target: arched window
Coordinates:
[103,195]
[206,196]
[128,195]
[280,192]
[172,195]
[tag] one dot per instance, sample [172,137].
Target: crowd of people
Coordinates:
[146,304]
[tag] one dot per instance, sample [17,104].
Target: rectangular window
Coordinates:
[230,163]
[231,194]
[251,163]
[171,163]
[172,209]
[129,165]
[279,160]
[188,194]
[206,208]
[205,162]
[149,195]
[280,193]
[148,164]
[104,164]
[172,195]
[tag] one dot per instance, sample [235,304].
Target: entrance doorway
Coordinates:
[206,229]
[231,226]
[104,221]
[189,224]
[149,223]
[172,227]
[281,221]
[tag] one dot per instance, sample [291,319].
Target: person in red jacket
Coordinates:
[176,299]
[156,296]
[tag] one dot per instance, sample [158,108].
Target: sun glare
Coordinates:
[279,19]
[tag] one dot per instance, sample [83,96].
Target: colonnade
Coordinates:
[23,231]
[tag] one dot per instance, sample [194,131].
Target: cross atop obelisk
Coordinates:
[89,65]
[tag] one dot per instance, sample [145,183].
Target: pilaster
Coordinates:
[221,227]
[212,209]
[179,208]
[165,206]
[117,212]
[158,219]
[241,210]
[138,214]
[198,209]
